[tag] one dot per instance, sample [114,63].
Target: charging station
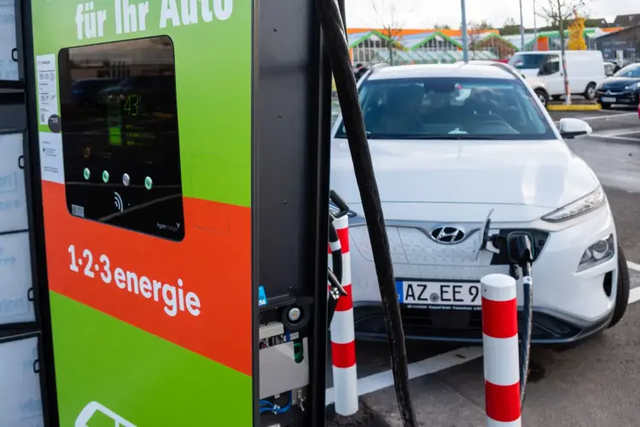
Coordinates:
[176,158]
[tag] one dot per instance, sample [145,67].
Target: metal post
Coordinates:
[465,41]
[521,27]
[535,27]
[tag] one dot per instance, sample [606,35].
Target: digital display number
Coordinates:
[132,104]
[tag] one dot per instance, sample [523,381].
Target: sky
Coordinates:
[426,13]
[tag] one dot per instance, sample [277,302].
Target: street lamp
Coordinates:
[535,27]
[465,44]
[521,27]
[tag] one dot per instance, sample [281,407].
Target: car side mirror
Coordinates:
[571,128]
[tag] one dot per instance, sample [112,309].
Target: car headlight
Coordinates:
[581,206]
[601,251]
[633,86]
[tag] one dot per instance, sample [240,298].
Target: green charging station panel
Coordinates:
[145,132]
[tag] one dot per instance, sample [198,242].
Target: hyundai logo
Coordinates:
[448,235]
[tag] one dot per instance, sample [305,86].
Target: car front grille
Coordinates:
[412,245]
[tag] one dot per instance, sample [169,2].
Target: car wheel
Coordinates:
[590,92]
[605,106]
[622,296]
[543,97]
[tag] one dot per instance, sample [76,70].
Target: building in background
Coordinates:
[621,46]
[428,46]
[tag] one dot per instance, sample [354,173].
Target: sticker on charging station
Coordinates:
[47,79]
[51,160]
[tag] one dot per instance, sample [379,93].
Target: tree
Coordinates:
[392,22]
[510,27]
[476,35]
[576,34]
[484,25]
[557,13]
[441,27]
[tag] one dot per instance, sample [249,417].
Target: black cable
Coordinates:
[527,288]
[335,39]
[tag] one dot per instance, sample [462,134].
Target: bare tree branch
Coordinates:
[391,21]
[561,10]
[558,12]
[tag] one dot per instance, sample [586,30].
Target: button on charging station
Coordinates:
[86,174]
[148,183]
[105,176]
[126,180]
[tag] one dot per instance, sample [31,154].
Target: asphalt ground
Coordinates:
[594,383]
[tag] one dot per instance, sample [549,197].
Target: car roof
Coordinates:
[459,69]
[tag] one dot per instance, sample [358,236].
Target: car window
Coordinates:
[529,61]
[629,71]
[552,66]
[451,108]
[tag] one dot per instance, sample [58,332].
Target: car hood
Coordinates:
[534,173]
[619,82]
[529,73]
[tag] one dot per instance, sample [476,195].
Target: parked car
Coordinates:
[453,145]
[585,68]
[535,83]
[621,88]
[539,88]
[86,92]
[610,68]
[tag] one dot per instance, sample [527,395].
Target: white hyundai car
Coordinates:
[453,146]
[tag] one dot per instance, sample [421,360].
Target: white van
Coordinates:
[585,69]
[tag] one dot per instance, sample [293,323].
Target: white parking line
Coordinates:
[633,266]
[609,115]
[620,138]
[634,295]
[443,361]
[424,367]
[625,132]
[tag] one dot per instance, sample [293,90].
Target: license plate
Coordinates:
[608,99]
[439,295]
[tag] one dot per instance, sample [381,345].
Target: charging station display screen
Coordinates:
[119,126]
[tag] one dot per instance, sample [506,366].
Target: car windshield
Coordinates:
[630,71]
[529,61]
[451,108]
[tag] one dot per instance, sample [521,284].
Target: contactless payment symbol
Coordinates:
[95,414]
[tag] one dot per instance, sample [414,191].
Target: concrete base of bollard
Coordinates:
[365,417]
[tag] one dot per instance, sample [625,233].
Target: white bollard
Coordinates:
[343,342]
[501,352]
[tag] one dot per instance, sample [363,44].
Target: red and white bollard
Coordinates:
[343,343]
[501,352]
